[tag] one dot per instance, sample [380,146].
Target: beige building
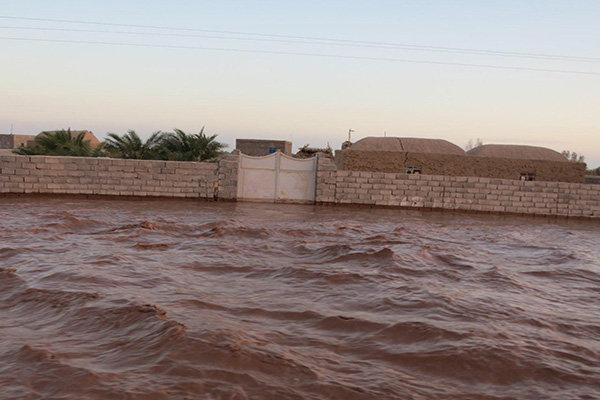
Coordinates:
[263,147]
[440,157]
[14,141]
[407,145]
[516,152]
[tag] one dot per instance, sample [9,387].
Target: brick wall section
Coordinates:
[104,176]
[326,180]
[228,176]
[456,165]
[146,178]
[458,193]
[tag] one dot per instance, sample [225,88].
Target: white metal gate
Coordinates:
[277,178]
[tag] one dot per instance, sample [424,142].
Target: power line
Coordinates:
[295,41]
[321,39]
[348,57]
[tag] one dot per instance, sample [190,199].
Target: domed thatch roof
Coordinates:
[89,136]
[517,152]
[411,145]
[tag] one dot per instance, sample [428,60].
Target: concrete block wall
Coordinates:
[457,193]
[326,180]
[228,176]
[106,176]
[149,178]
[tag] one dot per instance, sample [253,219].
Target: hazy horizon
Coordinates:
[308,99]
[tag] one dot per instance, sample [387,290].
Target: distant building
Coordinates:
[395,154]
[532,162]
[263,147]
[440,157]
[409,145]
[517,152]
[14,141]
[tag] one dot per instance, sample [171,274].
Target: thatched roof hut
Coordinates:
[408,145]
[516,152]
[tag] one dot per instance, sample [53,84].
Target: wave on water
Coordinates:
[168,300]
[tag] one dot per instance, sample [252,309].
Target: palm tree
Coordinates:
[58,143]
[180,146]
[131,146]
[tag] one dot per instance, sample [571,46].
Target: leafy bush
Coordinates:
[573,157]
[180,146]
[131,146]
[176,146]
[59,143]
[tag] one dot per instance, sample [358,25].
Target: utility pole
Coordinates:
[11,129]
[350,134]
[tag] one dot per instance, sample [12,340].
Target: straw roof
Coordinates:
[411,145]
[516,152]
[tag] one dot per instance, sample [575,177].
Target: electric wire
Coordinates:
[293,41]
[341,56]
[319,39]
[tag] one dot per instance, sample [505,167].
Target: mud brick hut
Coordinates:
[395,154]
[440,157]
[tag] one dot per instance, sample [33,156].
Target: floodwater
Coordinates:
[111,299]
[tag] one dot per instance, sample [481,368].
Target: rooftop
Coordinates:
[411,145]
[514,151]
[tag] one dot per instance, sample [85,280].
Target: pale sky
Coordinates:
[307,99]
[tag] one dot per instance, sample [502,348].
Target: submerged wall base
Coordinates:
[218,181]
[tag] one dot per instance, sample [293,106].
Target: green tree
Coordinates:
[59,143]
[471,144]
[573,157]
[180,146]
[130,145]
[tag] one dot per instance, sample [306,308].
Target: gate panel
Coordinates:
[257,178]
[277,178]
[296,179]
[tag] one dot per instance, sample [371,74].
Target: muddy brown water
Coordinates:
[111,299]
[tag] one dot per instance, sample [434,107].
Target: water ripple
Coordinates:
[177,299]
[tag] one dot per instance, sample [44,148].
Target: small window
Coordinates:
[413,170]
[527,176]
[272,150]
